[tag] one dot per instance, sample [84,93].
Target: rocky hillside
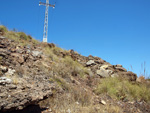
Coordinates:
[39,77]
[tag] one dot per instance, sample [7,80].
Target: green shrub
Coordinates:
[3,30]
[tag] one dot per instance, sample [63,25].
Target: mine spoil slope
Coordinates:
[40,77]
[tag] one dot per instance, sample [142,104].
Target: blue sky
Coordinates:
[118,31]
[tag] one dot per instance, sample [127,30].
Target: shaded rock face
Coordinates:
[21,85]
[28,109]
[129,75]
[16,97]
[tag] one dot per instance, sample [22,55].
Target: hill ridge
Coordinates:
[35,73]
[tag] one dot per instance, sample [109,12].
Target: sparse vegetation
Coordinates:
[23,36]
[62,83]
[49,52]
[64,102]
[113,109]
[64,66]
[122,89]
[20,37]
[76,99]
[67,67]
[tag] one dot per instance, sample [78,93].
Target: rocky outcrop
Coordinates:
[25,73]
[18,96]
[104,69]
[21,86]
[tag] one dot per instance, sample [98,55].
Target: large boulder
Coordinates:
[104,66]
[103,73]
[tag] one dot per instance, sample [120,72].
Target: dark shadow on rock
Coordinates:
[29,109]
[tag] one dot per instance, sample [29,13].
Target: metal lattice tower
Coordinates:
[45,33]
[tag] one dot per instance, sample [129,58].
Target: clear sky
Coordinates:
[118,31]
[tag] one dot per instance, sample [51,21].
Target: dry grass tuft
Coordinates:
[113,109]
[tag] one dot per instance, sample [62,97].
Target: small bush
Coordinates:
[75,67]
[57,51]
[3,30]
[49,52]
[62,83]
[29,37]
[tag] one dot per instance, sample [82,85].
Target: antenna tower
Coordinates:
[45,33]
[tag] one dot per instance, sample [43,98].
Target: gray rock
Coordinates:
[36,53]
[90,62]
[104,66]
[102,73]
[10,72]
[5,80]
